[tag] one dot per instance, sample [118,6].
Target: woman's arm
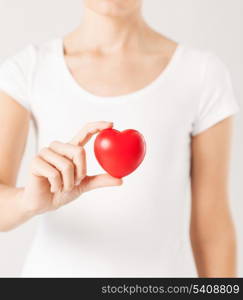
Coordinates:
[211,229]
[13,136]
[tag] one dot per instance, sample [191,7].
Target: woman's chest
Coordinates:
[163,118]
[116,74]
[60,114]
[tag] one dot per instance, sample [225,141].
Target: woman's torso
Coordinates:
[139,228]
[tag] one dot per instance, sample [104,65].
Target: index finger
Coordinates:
[88,131]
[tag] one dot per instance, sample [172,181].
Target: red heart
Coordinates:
[119,153]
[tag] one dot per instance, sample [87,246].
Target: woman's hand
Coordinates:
[59,174]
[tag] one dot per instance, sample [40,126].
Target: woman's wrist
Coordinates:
[27,211]
[14,208]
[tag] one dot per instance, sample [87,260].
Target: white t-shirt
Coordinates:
[140,228]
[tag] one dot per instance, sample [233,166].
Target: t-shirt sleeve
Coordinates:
[217,100]
[16,75]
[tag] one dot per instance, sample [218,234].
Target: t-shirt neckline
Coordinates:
[120,98]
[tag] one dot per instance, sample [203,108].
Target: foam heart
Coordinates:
[119,152]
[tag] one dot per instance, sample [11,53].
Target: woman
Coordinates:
[114,70]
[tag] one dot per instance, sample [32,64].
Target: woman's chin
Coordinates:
[107,8]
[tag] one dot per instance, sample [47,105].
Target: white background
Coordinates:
[215,25]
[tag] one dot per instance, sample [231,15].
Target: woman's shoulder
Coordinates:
[199,59]
[48,47]
[193,60]
[18,70]
[196,64]
[29,54]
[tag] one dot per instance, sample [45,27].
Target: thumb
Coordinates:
[98,181]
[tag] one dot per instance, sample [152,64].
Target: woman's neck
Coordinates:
[107,34]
